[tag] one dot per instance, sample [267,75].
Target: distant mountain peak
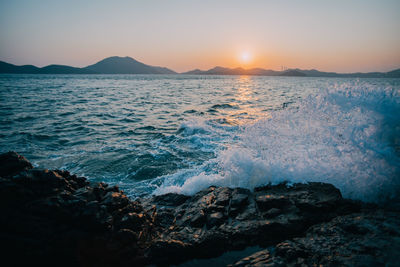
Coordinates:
[116,59]
[126,65]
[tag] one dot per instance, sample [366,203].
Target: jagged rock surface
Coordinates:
[369,238]
[220,219]
[55,218]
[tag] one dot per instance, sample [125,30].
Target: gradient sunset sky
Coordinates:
[341,35]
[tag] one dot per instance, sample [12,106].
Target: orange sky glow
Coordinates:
[341,36]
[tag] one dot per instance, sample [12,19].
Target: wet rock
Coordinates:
[132,220]
[261,258]
[199,219]
[226,218]
[50,215]
[272,213]
[266,202]
[240,197]
[170,199]
[54,218]
[85,193]
[13,163]
[367,238]
[115,200]
[223,197]
[215,219]
[163,218]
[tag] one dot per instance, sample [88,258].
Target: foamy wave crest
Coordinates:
[347,135]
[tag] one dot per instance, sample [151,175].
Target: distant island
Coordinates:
[128,65]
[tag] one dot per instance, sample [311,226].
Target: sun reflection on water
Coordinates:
[245,103]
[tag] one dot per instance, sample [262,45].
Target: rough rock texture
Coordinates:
[369,238]
[54,218]
[225,219]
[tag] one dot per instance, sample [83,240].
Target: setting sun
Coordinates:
[245,57]
[202,127]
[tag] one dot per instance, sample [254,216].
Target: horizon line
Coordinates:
[217,66]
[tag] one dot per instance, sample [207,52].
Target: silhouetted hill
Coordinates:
[51,69]
[393,74]
[292,72]
[128,65]
[111,65]
[10,68]
[316,73]
[237,71]
[125,65]
[62,69]
[240,71]
[194,72]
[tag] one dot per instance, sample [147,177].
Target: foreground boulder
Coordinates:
[219,219]
[54,218]
[368,238]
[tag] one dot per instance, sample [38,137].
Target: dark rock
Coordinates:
[85,193]
[223,197]
[368,238]
[270,201]
[115,200]
[240,198]
[225,218]
[171,248]
[127,236]
[261,258]
[170,199]
[12,163]
[132,220]
[272,213]
[215,219]
[55,218]
[199,219]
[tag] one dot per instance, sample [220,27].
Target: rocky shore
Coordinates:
[56,218]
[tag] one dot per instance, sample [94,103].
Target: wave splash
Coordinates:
[347,135]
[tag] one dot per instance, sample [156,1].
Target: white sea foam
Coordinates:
[347,135]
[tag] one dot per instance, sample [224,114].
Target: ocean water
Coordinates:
[153,134]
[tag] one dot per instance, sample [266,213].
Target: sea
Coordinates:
[154,134]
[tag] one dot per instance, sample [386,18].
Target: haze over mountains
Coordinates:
[128,65]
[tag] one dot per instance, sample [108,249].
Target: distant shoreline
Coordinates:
[199,75]
[127,65]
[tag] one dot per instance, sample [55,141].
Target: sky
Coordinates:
[340,35]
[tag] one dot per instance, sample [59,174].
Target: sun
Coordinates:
[245,57]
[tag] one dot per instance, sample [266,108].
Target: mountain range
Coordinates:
[110,65]
[292,72]
[128,65]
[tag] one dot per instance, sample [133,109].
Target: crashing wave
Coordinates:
[347,135]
